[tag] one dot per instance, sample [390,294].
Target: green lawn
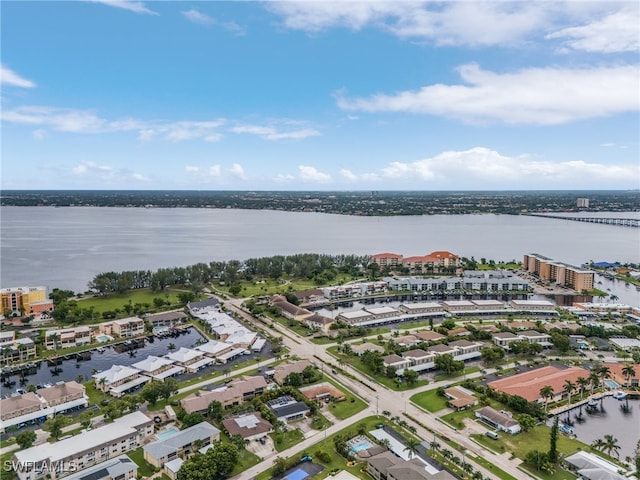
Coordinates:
[286,440]
[7,473]
[443,376]
[144,468]
[246,459]
[119,300]
[346,408]
[430,401]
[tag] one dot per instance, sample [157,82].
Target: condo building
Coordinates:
[25,300]
[561,273]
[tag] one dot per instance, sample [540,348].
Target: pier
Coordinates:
[620,222]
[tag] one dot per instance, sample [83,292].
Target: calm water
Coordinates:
[103,361]
[624,427]
[66,247]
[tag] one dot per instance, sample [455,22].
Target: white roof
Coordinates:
[124,321]
[133,383]
[355,314]
[116,373]
[382,310]
[174,465]
[487,303]
[167,373]
[184,355]
[231,354]
[212,347]
[152,363]
[247,421]
[459,303]
[533,303]
[420,305]
[241,336]
[93,438]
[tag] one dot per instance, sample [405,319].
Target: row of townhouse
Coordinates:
[230,395]
[420,360]
[432,263]
[505,339]
[372,315]
[561,273]
[41,404]
[354,290]
[123,327]
[15,350]
[59,459]
[119,379]
[471,280]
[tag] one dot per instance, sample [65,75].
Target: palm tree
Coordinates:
[569,387]
[546,393]
[604,373]
[598,444]
[412,447]
[582,384]
[434,445]
[628,371]
[611,444]
[594,381]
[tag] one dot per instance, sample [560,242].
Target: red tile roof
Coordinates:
[528,384]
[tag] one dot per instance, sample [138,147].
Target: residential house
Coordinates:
[360,348]
[460,398]
[250,426]
[287,409]
[282,371]
[322,392]
[181,444]
[498,420]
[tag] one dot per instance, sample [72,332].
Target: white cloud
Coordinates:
[272,133]
[312,175]
[11,78]
[215,171]
[132,6]
[349,175]
[608,144]
[590,26]
[195,16]
[617,32]
[87,122]
[284,178]
[237,171]
[539,96]
[106,173]
[482,166]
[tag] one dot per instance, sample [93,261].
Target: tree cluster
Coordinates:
[217,461]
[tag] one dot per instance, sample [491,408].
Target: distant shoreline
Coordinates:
[369,203]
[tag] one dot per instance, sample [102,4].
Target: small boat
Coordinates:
[619,395]
[566,429]
[592,402]
[100,349]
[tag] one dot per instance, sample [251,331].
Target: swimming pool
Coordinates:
[359,443]
[167,433]
[611,384]
[103,338]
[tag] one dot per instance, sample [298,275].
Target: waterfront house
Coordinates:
[181,444]
[120,379]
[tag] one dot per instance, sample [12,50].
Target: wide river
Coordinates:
[66,247]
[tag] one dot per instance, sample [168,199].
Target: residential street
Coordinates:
[382,399]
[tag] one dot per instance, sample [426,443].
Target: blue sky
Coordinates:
[316,95]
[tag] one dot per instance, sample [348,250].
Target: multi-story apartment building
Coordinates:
[120,468]
[25,300]
[167,319]
[64,457]
[67,337]
[41,404]
[128,327]
[561,273]
[14,350]
[387,260]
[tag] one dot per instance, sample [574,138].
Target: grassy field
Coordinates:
[144,468]
[430,401]
[346,408]
[267,286]
[466,371]
[119,300]
[286,440]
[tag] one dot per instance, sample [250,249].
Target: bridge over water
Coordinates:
[621,222]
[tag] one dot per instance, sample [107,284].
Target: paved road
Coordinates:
[383,399]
